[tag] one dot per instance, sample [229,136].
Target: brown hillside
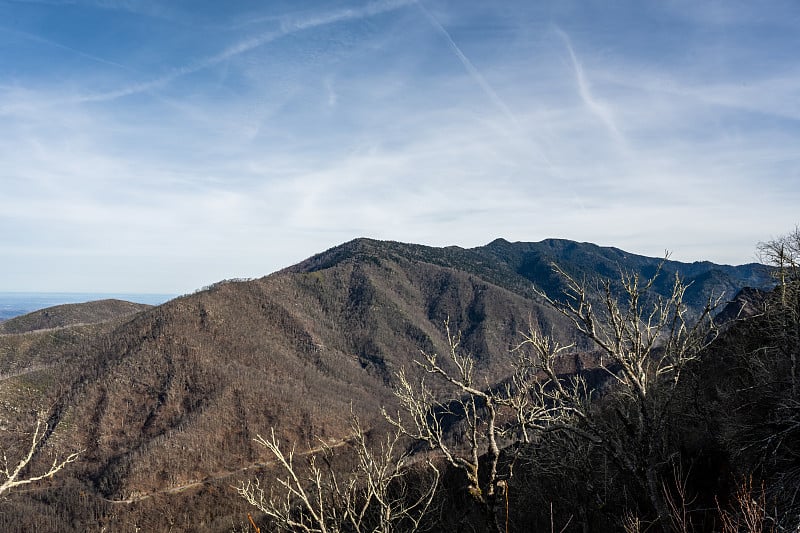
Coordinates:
[175,396]
[71,314]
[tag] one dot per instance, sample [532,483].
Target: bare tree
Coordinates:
[646,342]
[749,511]
[427,417]
[784,253]
[774,376]
[374,497]
[16,475]
[540,398]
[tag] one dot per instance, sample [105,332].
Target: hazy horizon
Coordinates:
[16,303]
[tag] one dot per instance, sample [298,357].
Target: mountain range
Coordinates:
[164,402]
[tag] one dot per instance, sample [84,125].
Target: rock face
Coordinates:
[166,401]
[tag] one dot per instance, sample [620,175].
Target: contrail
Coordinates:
[289,27]
[584,89]
[39,39]
[134,7]
[471,69]
[487,89]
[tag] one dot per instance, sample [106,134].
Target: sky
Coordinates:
[162,145]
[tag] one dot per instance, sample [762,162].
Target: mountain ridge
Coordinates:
[174,394]
[519,266]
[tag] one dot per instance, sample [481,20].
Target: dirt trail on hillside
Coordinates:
[30,370]
[223,475]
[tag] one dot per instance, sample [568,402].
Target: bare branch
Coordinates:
[13,475]
[373,497]
[647,341]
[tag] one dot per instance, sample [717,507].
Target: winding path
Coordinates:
[223,475]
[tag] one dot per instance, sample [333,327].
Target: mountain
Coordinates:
[72,314]
[533,261]
[165,402]
[521,266]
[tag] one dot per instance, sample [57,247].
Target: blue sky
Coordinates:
[159,146]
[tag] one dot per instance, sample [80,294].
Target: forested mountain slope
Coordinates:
[165,404]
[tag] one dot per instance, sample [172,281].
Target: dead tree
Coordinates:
[783,253]
[426,416]
[773,372]
[373,497]
[18,474]
[646,342]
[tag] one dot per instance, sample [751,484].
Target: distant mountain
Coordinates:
[71,314]
[13,304]
[533,262]
[166,402]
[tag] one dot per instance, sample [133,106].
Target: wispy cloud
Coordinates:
[371,9]
[734,94]
[474,73]
[288,26]
[329,89]
[595,106]
[385,122]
